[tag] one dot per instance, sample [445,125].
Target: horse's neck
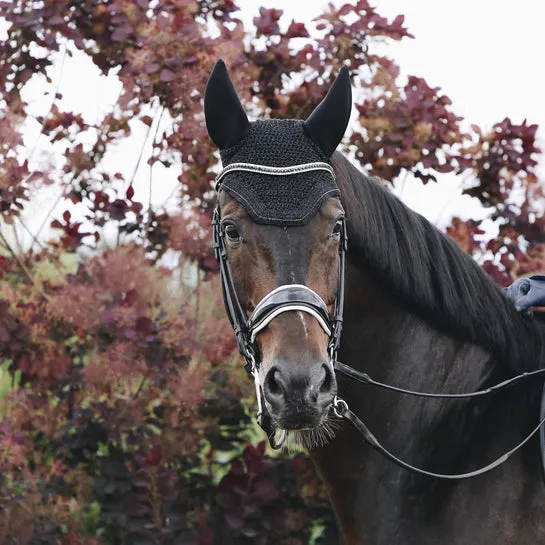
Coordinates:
[392,345]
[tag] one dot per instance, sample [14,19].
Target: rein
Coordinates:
[364,378]
[342,410]
[298,297]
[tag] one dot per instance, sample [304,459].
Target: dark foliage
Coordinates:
[124,415]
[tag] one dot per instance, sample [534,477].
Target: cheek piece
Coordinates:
[286,298]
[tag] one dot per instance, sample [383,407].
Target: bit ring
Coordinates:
[340,406]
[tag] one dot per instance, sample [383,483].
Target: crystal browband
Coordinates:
[274,171]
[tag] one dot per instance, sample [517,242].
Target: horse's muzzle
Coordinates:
[299,400]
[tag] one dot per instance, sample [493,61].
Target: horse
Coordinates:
[321,264]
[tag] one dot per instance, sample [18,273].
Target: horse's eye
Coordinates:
[337,229]
[231,232]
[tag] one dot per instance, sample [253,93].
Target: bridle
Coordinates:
[297,297]
[285,298]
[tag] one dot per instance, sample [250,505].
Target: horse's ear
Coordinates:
[226,119]
[327,123]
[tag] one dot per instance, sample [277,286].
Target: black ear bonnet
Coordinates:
[278,200]
[287,199]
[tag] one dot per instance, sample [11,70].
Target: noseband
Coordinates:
[296,297]
[285,298]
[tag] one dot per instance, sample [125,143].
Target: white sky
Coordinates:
[486,55]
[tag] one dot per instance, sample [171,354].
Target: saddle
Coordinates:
[527,293]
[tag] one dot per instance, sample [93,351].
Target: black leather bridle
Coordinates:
[297,297]
[288,297]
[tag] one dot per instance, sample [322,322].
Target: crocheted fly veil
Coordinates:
[278,170]
[285,199]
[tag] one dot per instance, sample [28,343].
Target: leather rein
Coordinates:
[296,297]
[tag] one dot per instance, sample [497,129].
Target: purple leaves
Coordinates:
[167,75]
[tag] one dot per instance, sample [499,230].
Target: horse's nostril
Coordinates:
[273,382]
[327,380]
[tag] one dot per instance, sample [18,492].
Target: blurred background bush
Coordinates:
[125,416]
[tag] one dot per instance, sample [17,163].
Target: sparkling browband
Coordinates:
[274,171]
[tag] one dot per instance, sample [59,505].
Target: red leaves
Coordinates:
[413,130]
[154,456]
[59,125]
[465,233]
[249,498]
[500,158]
[190,234]
[245,492]
[72,237]
[503,162]
[151,67]
[266,23]
[15,176]
[190,60]
[13,333]
[297,30]
[364,23]
[144,326]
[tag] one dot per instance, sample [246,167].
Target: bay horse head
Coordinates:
[280,239]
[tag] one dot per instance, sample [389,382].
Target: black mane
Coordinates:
[430,274]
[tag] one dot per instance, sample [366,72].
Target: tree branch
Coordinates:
[151,163]
[22,266]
